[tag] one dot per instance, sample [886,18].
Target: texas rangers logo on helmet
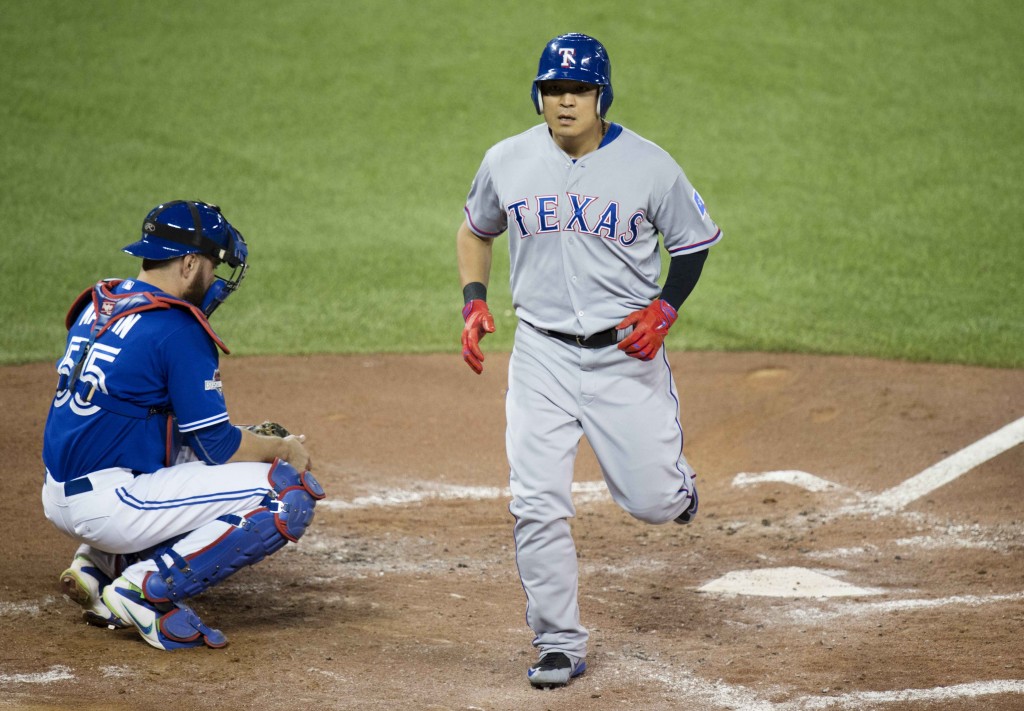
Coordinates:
[568,56]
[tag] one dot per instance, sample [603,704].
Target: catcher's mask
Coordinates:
[577,57]
[181,227]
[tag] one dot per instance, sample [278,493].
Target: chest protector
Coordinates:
[109,307]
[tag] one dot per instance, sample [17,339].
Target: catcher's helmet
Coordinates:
[580,58]
[182,227]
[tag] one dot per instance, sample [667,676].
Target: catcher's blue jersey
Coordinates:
[160,363]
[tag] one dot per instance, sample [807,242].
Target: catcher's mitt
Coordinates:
[270,429]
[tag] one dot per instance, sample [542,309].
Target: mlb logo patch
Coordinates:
[700,205]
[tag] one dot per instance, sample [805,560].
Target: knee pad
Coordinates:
[297,494]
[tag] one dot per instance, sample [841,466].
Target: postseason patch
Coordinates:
[214,383]
[700,205]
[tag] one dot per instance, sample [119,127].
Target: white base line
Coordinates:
[56,673]
[871,699]
[718,694]
[950,468]
[868,608]
[433,491]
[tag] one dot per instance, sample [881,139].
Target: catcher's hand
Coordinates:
[270,429]
[649,328]
[479,323]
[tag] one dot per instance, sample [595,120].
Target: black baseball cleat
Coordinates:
[554,669]
[690,513]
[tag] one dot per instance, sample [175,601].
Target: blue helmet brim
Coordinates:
[157,249]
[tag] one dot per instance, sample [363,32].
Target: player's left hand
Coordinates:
[649,328]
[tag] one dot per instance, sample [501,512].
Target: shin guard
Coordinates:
[285,517]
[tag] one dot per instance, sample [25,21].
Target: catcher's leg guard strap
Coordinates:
[249,541]
[181,627]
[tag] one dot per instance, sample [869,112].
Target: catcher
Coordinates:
[143,467]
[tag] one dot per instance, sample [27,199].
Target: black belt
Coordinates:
[602,339]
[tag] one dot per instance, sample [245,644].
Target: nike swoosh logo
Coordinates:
[145,629]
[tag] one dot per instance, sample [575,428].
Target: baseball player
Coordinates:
[143,467]
[584,201]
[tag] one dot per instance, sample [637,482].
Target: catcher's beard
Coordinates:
[195,293]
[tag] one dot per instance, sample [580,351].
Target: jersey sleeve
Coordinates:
[683,219]
[485,215]
[215,444]
[193,378]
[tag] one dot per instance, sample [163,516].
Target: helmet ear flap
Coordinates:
[604,99]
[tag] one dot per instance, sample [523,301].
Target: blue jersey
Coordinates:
[154,373]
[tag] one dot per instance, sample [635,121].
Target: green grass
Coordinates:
[864,160]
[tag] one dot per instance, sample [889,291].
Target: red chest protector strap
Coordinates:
[109,307]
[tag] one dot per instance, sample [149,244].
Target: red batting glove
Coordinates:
[649,328]
[479,323]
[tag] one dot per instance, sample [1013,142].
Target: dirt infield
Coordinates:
[404,595]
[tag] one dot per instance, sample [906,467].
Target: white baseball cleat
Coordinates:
[166,626]
[83,583]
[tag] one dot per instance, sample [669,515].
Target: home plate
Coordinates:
[784,582]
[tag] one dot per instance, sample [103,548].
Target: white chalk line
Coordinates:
[32,609]
[700,692]
[870,699]
[951,467]
[431,491]
[865,608]
[55,673]
[900,496]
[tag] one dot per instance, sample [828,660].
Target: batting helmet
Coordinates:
[580,58]
[182,227]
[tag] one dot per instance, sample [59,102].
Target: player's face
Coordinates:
[570,111]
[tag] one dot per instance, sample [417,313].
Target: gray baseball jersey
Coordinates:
[583,234]
[583,240]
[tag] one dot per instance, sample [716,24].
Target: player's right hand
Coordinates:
[479,323]
[296,453]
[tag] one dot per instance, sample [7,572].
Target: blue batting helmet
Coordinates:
[182,227]
[577,57]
